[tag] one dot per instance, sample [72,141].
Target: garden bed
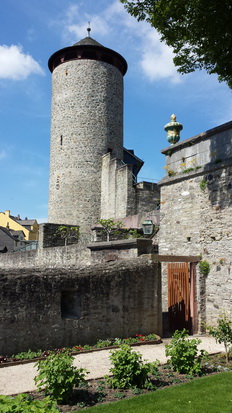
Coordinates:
[31,356]
[97,392]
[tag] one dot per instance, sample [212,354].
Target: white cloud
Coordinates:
[16,65]
[157,60]
[2,154]
[101,27]
[115,28]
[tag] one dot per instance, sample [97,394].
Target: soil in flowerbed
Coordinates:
[98,391]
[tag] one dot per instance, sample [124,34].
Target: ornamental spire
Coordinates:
[89,29]
[173,129]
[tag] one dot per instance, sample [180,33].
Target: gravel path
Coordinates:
[19,379]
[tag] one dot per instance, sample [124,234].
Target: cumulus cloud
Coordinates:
[115,28]
[76,23]
[157,59]
[16,65]
[101,27]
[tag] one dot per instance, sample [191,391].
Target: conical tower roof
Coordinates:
[88,41]
[88,48]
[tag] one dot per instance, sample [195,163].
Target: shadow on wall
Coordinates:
[218,171]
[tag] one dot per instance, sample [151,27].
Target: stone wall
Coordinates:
[147,197]
[209,148]
[51,236]
[78,254]
[119,250]
[120,196]
[47,308]
[53,257]
[195,216]
[86,122]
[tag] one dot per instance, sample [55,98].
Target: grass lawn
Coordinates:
[212,394]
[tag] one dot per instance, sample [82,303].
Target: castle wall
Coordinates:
[120,197]
[53,257]
[147,197]
[86,122]
[119,250]
[195,216]
[125,194]
[46,308]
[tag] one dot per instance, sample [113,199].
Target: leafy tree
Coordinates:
[109,225]
[68,232]
[199,31]
[223,333]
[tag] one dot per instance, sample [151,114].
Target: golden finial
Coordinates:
[173,118]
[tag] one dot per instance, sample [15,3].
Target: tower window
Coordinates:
[61,140]
[58,182]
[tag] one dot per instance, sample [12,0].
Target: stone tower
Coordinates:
[86,123]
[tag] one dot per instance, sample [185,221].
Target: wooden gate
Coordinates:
[179,296]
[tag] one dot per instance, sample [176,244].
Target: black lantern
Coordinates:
[147,227]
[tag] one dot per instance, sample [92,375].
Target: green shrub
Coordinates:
[133,233]
[128,369]
[223,333]
[24,355]
[203,184]
[23,403]
[57,376]
[186,171]
[103,343]
[183,353]
[204,267]
[130,340]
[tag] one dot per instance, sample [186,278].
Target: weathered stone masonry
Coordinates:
[195,215]
[91,175]
[51,308]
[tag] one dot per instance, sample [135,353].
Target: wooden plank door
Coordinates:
[179,296]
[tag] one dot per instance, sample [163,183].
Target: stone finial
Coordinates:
[173,129]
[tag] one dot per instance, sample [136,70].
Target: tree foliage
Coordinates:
[108,225]
[68,233]
[223,333]
[199,31]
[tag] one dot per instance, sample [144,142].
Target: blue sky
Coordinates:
[32,30]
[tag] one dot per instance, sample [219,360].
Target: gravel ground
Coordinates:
[19,379]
